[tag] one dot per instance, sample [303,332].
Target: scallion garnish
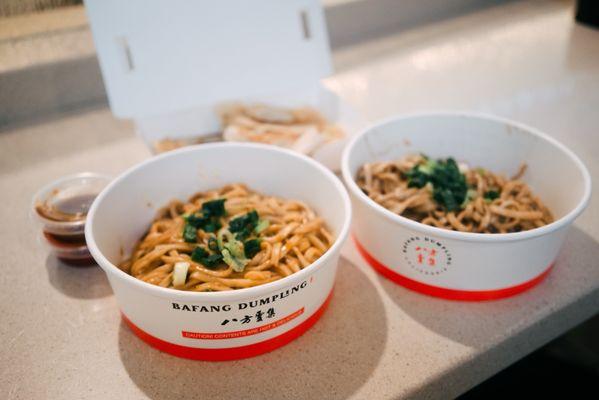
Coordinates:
[449,184]
[202,256]
[491,195]
[214,208]
[190,233]
[244,225]
[251,247]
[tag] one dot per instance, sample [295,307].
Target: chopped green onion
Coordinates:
[237,264]
[180,273]
[470,195]
[236,248]
[491,195]
[201,256]
[213,243]
[190,233]
[417,178]
[239,223]
[449,184]
[203,221]
[223,237]
[428,167]
[251,247]
[214,208]
[445,197]
[197,220]
[261,225]
[226,240]
[232,250]
[198,254]
[213,260]
[213,226]
[244,225]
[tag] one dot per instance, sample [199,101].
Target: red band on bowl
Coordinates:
[231,353]
[450,294]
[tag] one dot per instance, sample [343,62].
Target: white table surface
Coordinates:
[60,328]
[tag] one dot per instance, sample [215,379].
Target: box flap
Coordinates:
[162,56]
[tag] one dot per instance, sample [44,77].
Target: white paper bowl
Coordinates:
[467,266]
[190,324]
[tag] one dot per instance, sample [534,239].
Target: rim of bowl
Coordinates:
[107,266]
[467,236]
[44,190]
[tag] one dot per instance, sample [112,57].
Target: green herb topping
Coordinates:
[197,220]
[232,250]
[244,226]
[449,184]
[190,233]
[251,247]
[491,195]
[213,243]
[235,246]
[470,196]
[212,226]
[261,225]
[214,208]
[208,219]
[200,255]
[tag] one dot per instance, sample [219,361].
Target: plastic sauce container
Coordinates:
[61,209]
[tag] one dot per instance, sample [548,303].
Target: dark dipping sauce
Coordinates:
[64,241]
[70,249]
[71,209]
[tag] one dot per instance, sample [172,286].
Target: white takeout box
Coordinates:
[168,65]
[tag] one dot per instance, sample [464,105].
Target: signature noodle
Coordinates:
[485,202]
[254,240]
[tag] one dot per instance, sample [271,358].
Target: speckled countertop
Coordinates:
[61,333]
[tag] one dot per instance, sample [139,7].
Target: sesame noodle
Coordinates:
[229,238]
[486,202]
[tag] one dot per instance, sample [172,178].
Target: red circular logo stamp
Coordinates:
[426,255]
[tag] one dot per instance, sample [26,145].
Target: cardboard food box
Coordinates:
[169,66]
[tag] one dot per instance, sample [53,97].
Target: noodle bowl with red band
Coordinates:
[263,285]
[469,233]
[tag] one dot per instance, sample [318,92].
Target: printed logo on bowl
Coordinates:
[426,255]
[245,332]
[248,317]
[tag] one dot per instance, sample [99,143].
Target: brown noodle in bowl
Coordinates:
[229,238]
[442,194]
